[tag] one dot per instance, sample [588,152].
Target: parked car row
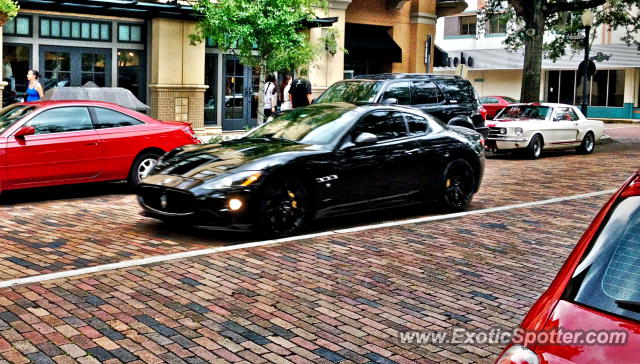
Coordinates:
[370,143]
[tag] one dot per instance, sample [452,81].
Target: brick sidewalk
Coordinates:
[324,300]
[329,299]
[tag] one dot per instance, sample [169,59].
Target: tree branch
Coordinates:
[518,7]
[558,7]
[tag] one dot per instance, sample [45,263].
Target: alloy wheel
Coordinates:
[145,167]
[284,209]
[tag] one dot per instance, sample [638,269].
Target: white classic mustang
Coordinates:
[537,126]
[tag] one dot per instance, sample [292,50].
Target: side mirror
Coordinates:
[463,121]
[24,131]
[366,139]
[390,101]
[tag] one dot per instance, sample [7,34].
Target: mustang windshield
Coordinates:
[317,124]
[523,112]
[13,113]
[352,92]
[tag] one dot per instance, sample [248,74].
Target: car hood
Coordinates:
[512,123]
[207,161]
[570,316]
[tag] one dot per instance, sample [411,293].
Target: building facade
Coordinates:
[614,89]
[144,46]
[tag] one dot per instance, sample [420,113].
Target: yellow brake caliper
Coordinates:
[294,203]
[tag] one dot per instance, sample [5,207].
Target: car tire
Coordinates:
[588,144]
[141,165]
[459,185]
[284,208]
[534,149]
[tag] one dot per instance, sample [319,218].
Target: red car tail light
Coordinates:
[518,354]
[633,188]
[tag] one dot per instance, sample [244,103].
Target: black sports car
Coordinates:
[318,161]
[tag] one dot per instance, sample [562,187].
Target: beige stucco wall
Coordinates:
[498,83]
[176,87]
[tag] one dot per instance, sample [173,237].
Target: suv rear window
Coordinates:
[458,90]
[609,273]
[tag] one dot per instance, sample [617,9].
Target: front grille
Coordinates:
[168,200]
[495,132]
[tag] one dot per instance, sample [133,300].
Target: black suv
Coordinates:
[451,99]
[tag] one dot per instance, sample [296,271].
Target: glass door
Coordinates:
[73,66]
[211,94]
[240,102]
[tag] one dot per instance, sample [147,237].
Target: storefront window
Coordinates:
[129,33]
[130,72]
[19,26]
[16,62]
[606,88]
[69,29]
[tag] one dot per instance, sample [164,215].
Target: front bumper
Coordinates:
[209,211]
[508,142]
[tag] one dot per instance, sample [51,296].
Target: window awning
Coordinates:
[371,43]
[132,8]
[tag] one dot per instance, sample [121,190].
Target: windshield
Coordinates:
[318,124]
[12,113]
[509,100]
[352,92]
[524,112]
[609,272]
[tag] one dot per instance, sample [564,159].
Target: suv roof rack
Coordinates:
[386,76]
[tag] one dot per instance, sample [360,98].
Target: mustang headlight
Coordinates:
[503,131]
[245,178]
[518,131]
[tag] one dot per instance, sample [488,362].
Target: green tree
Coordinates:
[528,20]
[265,34]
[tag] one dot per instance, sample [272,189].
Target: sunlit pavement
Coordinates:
[341,297]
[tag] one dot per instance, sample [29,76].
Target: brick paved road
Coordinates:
[328,299]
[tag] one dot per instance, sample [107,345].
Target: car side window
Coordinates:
[106,118]
[383,124]
[426,92]
[573,115]
[418,125]
[562,114]
[399,91]
[61,119]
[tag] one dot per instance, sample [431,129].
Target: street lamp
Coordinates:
[587,21]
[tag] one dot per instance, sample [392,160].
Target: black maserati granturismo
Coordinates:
[318,161]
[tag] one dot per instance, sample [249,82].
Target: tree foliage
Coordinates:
[265,34]
[528,20]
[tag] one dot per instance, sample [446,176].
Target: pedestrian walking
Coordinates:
[270,96]
[301,94]
[285,96]
[35,92]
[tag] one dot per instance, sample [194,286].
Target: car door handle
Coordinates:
[412,151]
[91,144]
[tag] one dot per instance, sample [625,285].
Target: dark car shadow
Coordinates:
[522,156]
[66,192]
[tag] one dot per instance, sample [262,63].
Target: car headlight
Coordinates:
[503,131]
[245,178]
[518,131]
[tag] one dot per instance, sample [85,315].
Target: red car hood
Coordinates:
[570,316]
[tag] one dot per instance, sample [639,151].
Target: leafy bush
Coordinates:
[9,7]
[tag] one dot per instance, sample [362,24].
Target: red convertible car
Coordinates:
[591,311]
[493,104]
[63,142]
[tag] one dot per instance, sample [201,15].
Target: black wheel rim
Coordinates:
[285,208]
[459,185]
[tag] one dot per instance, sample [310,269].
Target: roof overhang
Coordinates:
[127,8]
[622,56]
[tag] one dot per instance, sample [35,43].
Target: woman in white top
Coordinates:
[270,96]
[285,96]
